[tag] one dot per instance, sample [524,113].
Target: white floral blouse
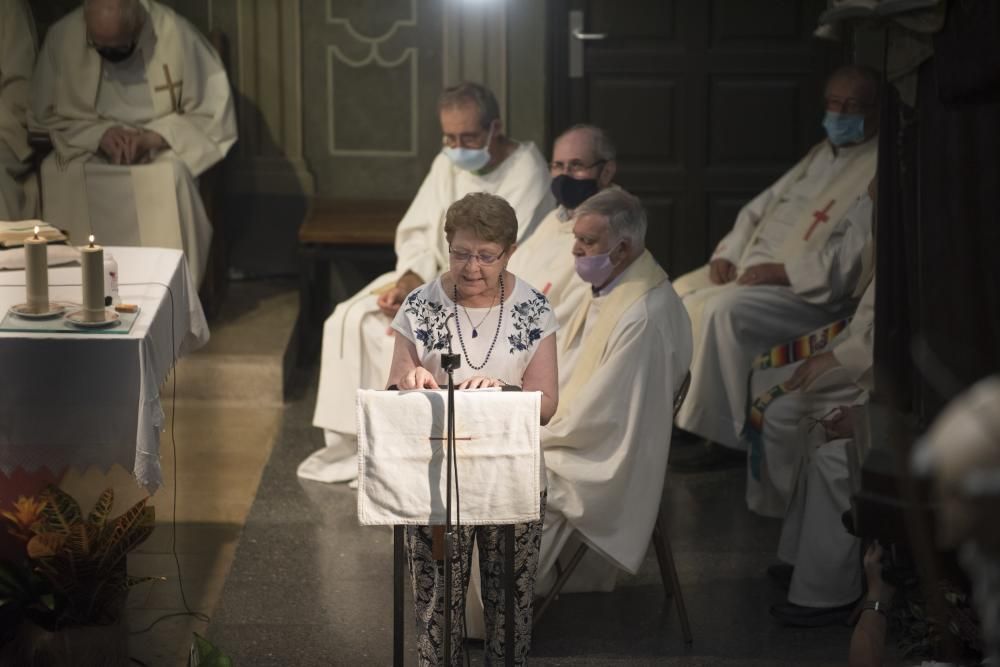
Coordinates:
[501,341]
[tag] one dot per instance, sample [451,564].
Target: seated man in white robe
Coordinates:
[622,358]
[785,268]
[583,164]
[807,436]
[357,339]
[17,59]
[137,104]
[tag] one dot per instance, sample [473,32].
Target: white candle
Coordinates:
[36,273]
[92,264]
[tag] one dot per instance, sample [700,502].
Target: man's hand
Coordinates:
[878,589]
[770,273]
[390,301]
[839,425]
[146,143]
[810,369]
[418,378]
[721,271]
[116,144]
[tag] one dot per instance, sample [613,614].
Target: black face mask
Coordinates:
[115,54]
[571,192]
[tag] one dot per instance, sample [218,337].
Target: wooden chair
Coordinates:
[661,543]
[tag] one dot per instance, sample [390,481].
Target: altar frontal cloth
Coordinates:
[402,444]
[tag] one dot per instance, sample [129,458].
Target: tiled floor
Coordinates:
[228,410]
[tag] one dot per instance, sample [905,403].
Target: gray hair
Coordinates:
[624,213]
[603,147]
[867,79]
[128,10]
[468,92]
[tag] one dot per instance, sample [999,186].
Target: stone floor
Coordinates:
[310,587]
[285,576]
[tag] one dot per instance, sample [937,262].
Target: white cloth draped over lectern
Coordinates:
[402,450]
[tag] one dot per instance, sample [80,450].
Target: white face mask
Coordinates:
[470,159]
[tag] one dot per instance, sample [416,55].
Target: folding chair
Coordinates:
[661,543]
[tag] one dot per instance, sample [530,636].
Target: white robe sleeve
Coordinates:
[205,132]
[416,235]
[606,459]
[733,244]
[831,274]
[17,58]
[855,350]
[71,136]
[527,190]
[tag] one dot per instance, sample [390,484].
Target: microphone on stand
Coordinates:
[450,361]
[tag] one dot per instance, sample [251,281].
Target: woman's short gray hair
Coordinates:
[624,213]
[468,92]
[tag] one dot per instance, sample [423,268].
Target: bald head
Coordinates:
[112,23]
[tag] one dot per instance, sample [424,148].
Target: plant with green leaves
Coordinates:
[76,569]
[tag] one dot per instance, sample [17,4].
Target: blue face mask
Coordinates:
[470,159]
[844,128]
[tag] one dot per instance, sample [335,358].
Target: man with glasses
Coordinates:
[476,156]
[583,164]
[137,104]
[788,266]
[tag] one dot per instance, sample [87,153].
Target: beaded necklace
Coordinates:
[458,329]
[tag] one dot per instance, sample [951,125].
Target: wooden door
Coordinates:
[708,101]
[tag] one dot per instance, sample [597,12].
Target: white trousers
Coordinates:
[826,557]
[357,354]
[784,448]
[731,325]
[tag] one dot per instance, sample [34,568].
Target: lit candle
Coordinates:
[92,263]
[36,272]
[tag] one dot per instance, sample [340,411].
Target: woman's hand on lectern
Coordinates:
[418,378]
[480,382]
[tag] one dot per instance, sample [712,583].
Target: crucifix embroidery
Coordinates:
[169,86]
[818,217]
[437,532]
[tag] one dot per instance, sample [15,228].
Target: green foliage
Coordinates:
[77,570]
[205,654]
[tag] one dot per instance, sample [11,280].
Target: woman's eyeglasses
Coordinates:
[484,259]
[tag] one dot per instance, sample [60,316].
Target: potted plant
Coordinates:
[64,603]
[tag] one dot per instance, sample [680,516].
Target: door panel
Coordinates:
[708,101]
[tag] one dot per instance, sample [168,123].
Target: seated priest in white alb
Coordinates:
[807,432]
[583,164]
[786,267]
[17,58]
[622,358]
[357,340]
[782,391]
[138,105]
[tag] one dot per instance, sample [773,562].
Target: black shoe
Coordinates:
[811,617]
[709,456]
[781,574]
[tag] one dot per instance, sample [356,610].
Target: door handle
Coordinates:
[576,41]
[589,36]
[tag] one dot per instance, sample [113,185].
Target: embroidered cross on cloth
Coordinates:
[170,86]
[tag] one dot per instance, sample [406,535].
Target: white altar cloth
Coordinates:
[88,399]
[401,456]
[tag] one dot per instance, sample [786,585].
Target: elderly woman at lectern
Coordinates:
[505,334]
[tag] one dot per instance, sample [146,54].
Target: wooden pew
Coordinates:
[333,232]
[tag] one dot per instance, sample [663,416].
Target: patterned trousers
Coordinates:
[427,578]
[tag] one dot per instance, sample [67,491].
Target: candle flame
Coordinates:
[36,231]
[91,240]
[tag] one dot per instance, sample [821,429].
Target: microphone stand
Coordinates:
[449,362]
